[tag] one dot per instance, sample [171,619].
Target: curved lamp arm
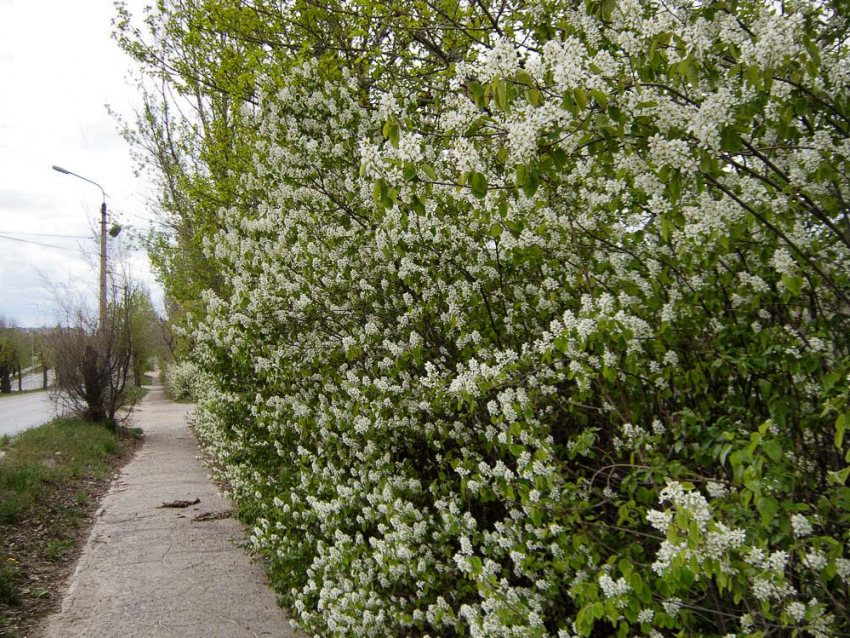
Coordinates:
[86,179]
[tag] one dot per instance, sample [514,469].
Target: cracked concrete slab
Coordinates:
[152,572]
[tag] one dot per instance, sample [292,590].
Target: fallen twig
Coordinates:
[181,503]
[211,516]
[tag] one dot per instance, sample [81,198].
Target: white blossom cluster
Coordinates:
[181,379]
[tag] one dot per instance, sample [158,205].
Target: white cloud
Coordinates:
[60,67]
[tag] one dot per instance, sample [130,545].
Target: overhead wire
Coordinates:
[10,232]
[37,243]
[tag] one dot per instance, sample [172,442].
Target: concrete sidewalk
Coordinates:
[153,572]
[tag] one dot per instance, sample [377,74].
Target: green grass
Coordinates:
[58,548]
[45,456]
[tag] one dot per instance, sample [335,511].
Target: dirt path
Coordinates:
[155,572]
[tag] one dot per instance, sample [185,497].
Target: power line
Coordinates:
[36,243]
[122,211]
[9,232]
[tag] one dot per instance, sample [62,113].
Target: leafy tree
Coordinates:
[8,362]
[147,341]
[14,348]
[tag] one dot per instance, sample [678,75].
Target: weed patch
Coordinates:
[10,593]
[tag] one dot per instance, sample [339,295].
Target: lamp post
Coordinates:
[102,321]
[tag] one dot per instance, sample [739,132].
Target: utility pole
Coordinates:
[102,319]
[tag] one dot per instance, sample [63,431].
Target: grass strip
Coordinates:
[51,479]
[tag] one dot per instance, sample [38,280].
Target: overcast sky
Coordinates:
[59,67]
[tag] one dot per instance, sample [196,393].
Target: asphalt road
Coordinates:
[19,413]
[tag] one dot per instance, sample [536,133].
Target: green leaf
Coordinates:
[580,98]
[496,230]
[830,380]
[793,284]
[391,131]
[839,478]
[600,97]
[429,171]
[675,186]
[584,621]
[530,184]
[501,95]
[409,172]
[773,449]
[753,75]
[536,515]
[730,141]
[559,156]
[767,507]
[839,430]
[479,185]
[568,104]
[524,77]
[417,205]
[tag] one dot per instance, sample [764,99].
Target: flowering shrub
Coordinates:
[561,351]
[181,379]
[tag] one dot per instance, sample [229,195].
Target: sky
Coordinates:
[59,68]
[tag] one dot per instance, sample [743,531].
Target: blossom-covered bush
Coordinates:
[181,379]
[561,350]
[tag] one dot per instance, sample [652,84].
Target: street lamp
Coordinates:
[102,242]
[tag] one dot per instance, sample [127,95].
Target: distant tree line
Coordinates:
[22,351]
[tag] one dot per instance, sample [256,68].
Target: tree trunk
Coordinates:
[93,386]
[20,379]
[43,370]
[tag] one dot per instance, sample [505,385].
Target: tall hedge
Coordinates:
[554,343]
